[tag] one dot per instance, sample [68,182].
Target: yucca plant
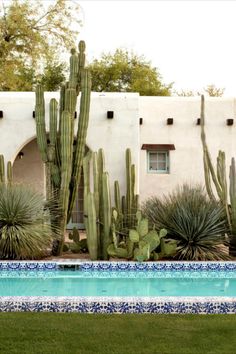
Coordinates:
[25,231]
[197,223]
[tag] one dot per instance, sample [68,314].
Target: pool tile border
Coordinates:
[112,266]
[165,305]
[119,305]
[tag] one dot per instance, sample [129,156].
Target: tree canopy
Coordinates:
[32,33]
[211,90]
[124,71]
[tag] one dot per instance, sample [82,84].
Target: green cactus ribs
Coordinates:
[61,153]
[217,177]
[112,222]
[9,176]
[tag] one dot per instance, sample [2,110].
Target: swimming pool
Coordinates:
[118,287]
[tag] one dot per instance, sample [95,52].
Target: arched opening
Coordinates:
[28,168]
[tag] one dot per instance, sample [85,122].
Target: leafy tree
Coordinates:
[127,72]
[213,91]
[53,76]
[210,90]
[31,31]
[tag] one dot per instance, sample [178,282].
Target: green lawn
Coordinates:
[120,334]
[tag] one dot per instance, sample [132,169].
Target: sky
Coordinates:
[192,43]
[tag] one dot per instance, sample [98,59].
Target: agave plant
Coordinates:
[25,231]
[197,223]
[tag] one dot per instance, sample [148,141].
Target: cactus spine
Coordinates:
[63,165]
[218,178]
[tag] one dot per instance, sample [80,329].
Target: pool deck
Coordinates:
[119,305]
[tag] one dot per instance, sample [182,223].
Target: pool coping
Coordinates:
[119,305]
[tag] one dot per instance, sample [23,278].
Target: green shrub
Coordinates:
[25,231]
[198,224]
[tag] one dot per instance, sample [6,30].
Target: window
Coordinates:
[158,161]
[158,157]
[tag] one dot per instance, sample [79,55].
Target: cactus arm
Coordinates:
[91,228]
[40,123]
[232,194]
[123,205]
[106,202]
[128,185]
[9,172]
[81,136]
[3,178]
[2,169]
[74,69]
[95,182]
[66,157]
[101,169]
[207,177]
[53,109]
[81,58]
[117,197]
[207,157]
[62,104]
[86,171]
[51,150]
[133,186]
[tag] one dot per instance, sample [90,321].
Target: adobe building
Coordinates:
[163,134]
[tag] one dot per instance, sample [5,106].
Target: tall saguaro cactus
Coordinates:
[218,178]
[60,151]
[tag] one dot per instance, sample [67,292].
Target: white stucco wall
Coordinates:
[186,163]
[17,127]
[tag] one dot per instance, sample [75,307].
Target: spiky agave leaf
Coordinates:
[25,230]
[197,223]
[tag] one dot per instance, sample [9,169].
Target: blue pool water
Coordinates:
[117,283]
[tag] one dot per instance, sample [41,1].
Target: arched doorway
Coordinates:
[28,168]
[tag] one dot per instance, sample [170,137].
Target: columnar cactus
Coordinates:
[2,169]
[111,222]
[9,172]
[218,178]
[92,236]
[61,153]
[100,200]
[3,178]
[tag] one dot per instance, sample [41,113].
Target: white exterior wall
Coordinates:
[186,162]
[17,128]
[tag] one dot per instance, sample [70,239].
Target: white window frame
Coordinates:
[167,161]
